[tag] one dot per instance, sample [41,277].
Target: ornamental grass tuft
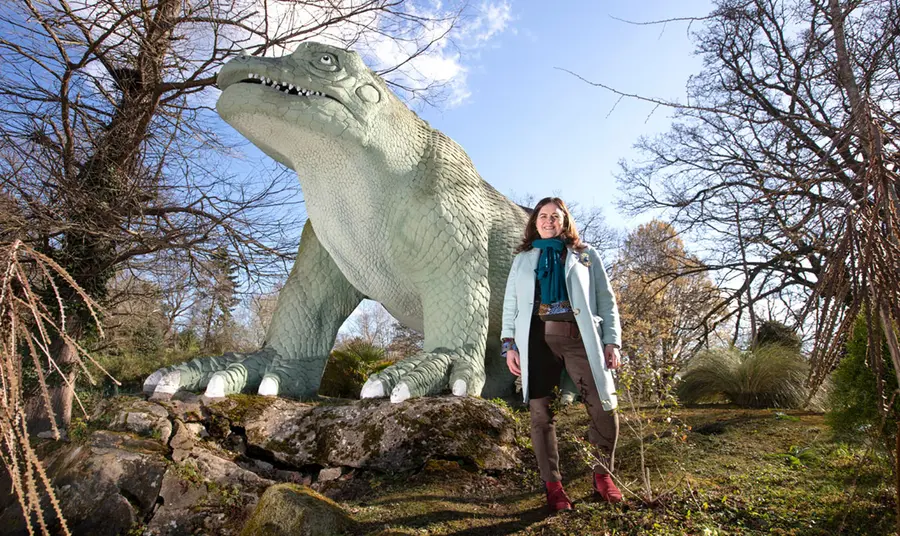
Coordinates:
[768,376]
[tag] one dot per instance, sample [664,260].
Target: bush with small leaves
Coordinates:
[853,400]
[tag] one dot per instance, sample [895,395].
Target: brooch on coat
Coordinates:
[584,258]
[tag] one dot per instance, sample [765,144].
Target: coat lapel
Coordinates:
[571,261]
[530,266]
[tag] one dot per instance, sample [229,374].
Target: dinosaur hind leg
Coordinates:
[456,321]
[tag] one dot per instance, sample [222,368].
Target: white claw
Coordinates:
[151,382]
[169,383]
[400,393]
[268,387]
[459,388]
[216,386]
[372,389]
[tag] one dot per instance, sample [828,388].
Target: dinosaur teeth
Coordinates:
[284,87]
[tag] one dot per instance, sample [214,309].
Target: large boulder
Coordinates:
[205,482]
[141,417]
[104,487]
[377,434]
[194,465]
[291,510]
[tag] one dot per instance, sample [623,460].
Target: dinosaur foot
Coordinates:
[219,376]
[425,374]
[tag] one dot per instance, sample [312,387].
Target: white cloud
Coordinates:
[387,40]
[443,64]
[452,33]
[492,20]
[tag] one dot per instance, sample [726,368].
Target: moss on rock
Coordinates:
[237,408]
[292,510]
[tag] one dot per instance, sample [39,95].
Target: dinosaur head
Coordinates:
[318,93]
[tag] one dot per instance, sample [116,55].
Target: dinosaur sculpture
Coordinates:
[397,213]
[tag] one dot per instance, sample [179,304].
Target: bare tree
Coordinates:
[782,164]
[262,308]
[28,330]
[372,323]
[108,154]
[593,229]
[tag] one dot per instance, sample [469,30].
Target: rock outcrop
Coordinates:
[190,465]
[378,436]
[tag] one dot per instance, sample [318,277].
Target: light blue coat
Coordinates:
[593,303]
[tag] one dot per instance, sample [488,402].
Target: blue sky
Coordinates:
[530,128]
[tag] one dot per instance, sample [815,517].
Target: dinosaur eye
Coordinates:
[326,62]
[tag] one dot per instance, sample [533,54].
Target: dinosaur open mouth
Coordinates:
[284,87]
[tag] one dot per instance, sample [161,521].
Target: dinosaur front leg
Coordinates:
[315,301]
[196,374]
[456,323]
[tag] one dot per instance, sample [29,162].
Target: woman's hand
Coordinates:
[512,361]
[610,352]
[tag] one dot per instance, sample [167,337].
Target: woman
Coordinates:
[559,312]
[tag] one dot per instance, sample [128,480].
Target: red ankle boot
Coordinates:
[606,488]
[557,498]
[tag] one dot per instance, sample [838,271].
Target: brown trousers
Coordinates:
[547,355]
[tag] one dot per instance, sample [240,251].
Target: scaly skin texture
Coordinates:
[397,213]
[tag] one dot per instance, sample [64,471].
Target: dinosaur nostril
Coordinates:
[368,93]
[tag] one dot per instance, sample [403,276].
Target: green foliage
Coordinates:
[502,404]
[136,529]
[348,368]
[769,376]
[78,430]
[381,365]
[853,400]
[797,457]
[188,472]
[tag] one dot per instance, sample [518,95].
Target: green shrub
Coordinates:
[769,376]
[348,368]
[853,399]
[773,332]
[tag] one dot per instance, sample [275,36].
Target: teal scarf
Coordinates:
[550,272]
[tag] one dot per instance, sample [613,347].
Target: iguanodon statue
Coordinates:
[397,214]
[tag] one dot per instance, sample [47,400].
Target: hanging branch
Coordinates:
[26,330]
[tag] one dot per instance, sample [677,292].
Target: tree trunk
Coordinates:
[62,393]
[87,253]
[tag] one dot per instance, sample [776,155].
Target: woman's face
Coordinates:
[550,221]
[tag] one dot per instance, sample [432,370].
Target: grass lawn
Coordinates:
[727,471]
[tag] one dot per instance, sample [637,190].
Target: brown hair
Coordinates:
[569,231]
